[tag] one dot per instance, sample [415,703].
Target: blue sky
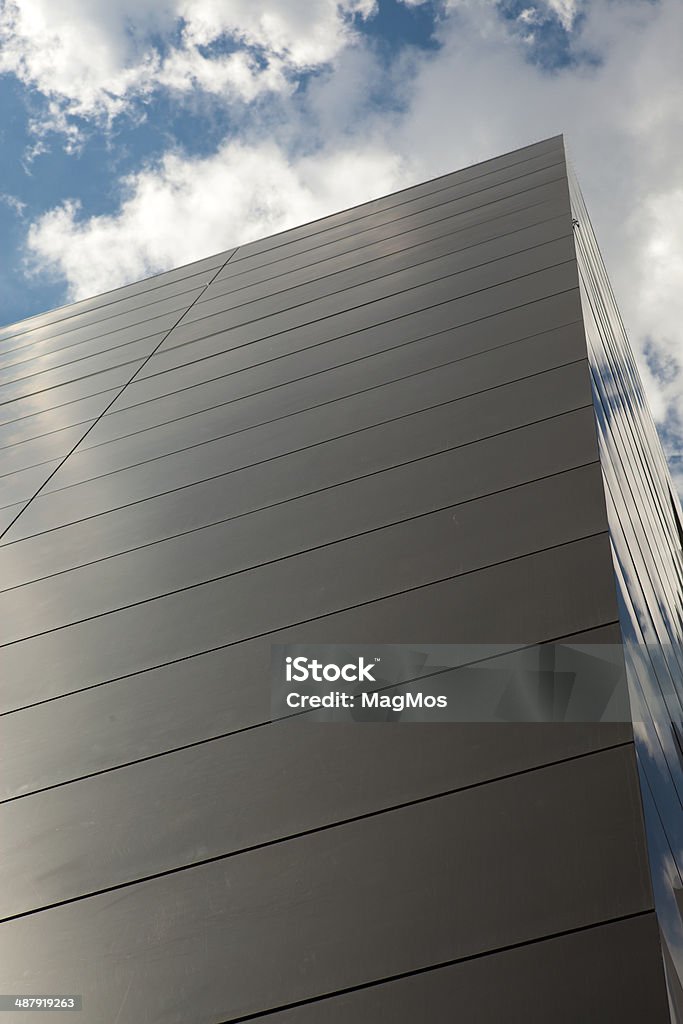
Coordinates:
[146,133]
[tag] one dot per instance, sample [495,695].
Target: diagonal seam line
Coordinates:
[337,213]
[396,206]
[29,376]
[305,494]
[399,292]
[301,412]
[66,383]
[404,345]
[336,369]
[104,305]
[294,451]
[50,408]
[291,557]
[304,253]
[341,338]
[327,827]
[405,250]
[96,336]
[271,387]
[271,359]
[120,392]
[292,554]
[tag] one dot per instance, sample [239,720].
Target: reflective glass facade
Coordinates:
[646,536]
[375,429]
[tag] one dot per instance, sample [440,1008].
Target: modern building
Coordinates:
[417,422]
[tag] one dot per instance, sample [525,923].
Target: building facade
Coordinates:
[415,422]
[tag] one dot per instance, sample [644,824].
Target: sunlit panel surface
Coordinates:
[376,429]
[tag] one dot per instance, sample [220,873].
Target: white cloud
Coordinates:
[477,96]
[91,57]
[13,202]
[623,123]
[184,209]
[659,301]
[564,10]
[528,16]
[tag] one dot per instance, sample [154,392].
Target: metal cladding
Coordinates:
[378,428]
[644,517]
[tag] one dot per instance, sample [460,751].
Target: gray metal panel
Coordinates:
[37,450]
[210,696]
[84,337]
[77,360]
[529,355]
[44,381]
[154,318]
[62,395]
[293,355]
[425,441]
[472,181]
[407,229]
[10,512]
[451,311]
[49,421]
[397,294]
[604,975]
[361,391]
[481,415]
[452,252]
[111,304]
[383,528]
[565,590]
[23,483]
[372,428]
[352,904]
[283,779]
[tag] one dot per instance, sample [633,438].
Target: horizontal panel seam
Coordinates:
[389,979]
[97,353]
[264,723]
[138,368]
[398,294]
[291,625]
[39,437]
[341,823]
[73,380]
[212,650]
[552,163]
[318,373]
[275,458]
[97,335]
[93,299]
[322,405]
[44,412]
[331,341]
[322,490]
[451,230]
[368,327]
